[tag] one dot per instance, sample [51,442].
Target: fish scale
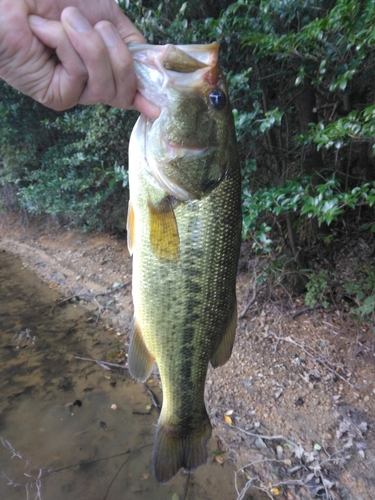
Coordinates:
[185,250]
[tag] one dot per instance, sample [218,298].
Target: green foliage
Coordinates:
[318,289]
[300,77]
[82,172]
[362,289]
[326,202]
[357,125]
[68,164]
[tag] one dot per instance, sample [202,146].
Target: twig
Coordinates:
[314,356]
[252,300]
[155,402]
[241,495]
[261,436]
[116,289]
[43,473]
[103,364]
[121,467]
[306,309]
[107,293]
[184,495]
[24,333]
[62,301]
[93,298]
[99,310]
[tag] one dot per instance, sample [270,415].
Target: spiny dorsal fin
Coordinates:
[140,360]
[164,235]
[224,349]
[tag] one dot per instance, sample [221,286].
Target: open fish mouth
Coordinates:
[185,68]
[179,58]
[173,152]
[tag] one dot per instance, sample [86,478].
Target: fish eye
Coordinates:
[217,99]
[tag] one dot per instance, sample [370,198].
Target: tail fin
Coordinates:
[173,451]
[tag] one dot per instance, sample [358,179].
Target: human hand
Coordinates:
[62,56]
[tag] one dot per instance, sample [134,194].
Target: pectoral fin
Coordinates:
[224,349]
[130,228]
[164,236]
[140,360]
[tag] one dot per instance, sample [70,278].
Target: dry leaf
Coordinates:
[275,491]
[227,419]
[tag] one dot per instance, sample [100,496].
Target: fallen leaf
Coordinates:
[275,491]
[298,451]
[227,419]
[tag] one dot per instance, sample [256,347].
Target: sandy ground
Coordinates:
[295,404]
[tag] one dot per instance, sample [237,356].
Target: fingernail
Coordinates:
[109,34]
[36,20]
[77,21]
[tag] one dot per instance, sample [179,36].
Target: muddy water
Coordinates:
[53,449]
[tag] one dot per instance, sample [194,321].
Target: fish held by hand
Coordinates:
[184,232]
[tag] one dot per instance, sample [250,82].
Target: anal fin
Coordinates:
[140,360]
[224,349]
[164,237]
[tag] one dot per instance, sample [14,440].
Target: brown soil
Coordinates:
[295,404]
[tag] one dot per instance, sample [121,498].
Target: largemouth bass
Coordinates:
[184,231]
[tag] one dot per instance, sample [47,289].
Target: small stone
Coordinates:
[279,452]
[278,393]
[260,444]
[113,407]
